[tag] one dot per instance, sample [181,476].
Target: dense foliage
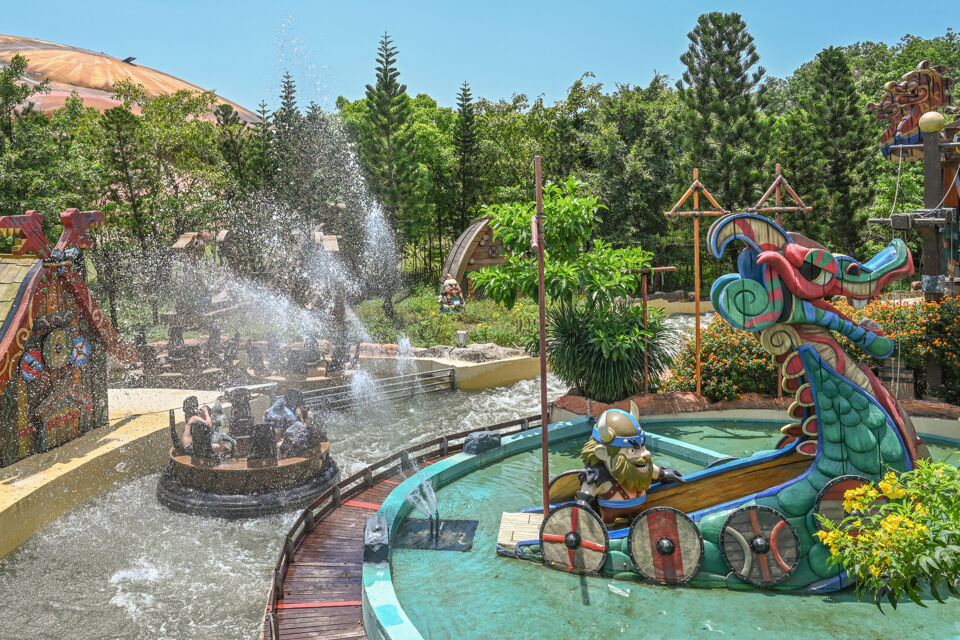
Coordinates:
[159,166]
[902,534]
[601,350]
[732,363]
[921,331]
[575,266]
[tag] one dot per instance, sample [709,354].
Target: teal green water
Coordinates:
[478,594]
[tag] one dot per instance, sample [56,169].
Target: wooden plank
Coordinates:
[515,527]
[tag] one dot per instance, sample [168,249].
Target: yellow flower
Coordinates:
[876,570]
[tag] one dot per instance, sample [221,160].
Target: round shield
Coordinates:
[573,539]
[759,545]
[31,365]
[665,545]
[829,502]
[81,351]
[55,350]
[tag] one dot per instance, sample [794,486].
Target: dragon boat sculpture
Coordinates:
[751,521]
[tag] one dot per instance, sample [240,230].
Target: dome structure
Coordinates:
[91,74]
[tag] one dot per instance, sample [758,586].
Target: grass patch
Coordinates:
[418,317]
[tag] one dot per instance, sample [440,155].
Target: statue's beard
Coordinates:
[635,475]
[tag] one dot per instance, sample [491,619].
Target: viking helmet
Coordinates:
[617,428]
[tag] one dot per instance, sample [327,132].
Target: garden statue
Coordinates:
[451,296]
[618,464]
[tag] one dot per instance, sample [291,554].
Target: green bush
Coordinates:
[419,318]
[600,351]
[732,363]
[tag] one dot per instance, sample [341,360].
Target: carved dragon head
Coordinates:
[76,223]
[785,278]
[29,229]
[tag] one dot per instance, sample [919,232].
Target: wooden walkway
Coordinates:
[316,590]
[321,591]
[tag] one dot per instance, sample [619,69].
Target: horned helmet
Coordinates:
[619,428]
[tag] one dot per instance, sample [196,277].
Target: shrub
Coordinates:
[920,330]
[902,534]
[732,363]
[600,351]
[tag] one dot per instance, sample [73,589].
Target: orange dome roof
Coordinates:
[91,74]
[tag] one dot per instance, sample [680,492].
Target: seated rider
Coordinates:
[221,441]
[296,438]
[193,414]
[618,464]
[279,416]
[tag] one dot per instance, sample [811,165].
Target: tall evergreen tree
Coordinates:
[389,109]
[841,147]
[720,123]
[465,142]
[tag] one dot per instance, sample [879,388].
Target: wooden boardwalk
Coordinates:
[321,591]
[317,583]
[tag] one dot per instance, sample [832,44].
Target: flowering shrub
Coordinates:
[921,330]
[902,533]
[732,363]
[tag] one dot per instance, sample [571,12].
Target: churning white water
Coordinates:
[122,566]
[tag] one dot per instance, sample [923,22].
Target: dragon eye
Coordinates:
[815,274]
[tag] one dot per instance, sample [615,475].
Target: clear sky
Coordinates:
[240,48]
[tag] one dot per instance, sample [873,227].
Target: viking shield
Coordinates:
[574,539]
[665,545]
[759,545]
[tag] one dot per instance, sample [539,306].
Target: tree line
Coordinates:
[163,165]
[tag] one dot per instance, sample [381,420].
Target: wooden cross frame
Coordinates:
[779,183]
[696,213]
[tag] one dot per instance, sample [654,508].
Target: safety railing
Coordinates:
[330,500]
[384,389]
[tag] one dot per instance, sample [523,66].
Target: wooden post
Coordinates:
[646,359]
[696,275]
[930,238]
[695,190]
[537,244]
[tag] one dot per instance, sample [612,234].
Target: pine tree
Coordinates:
[840,148]
[389,108]
[720,123]
[465,143]
[288,127]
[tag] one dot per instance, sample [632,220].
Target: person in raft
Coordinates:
[296,439]
[194,415]
[280,417]
[221,441]
[618,464]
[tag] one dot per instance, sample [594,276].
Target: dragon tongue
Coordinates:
[857,303]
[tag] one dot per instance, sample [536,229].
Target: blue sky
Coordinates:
[240,48]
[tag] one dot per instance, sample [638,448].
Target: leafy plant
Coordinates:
[600,350]
[902,534]
[575,266]
[732,363]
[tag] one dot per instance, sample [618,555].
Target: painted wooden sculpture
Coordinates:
[919,91]
[752,520]
[54,340]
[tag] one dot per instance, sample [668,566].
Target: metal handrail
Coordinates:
[355,484]
[446,372]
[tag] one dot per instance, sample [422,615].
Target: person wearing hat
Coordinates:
[618,464]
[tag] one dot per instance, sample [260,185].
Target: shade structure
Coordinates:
[91,74]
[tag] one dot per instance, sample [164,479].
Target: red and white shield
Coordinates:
[665,545]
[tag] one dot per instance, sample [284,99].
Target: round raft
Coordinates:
[252,480]
[235,490]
